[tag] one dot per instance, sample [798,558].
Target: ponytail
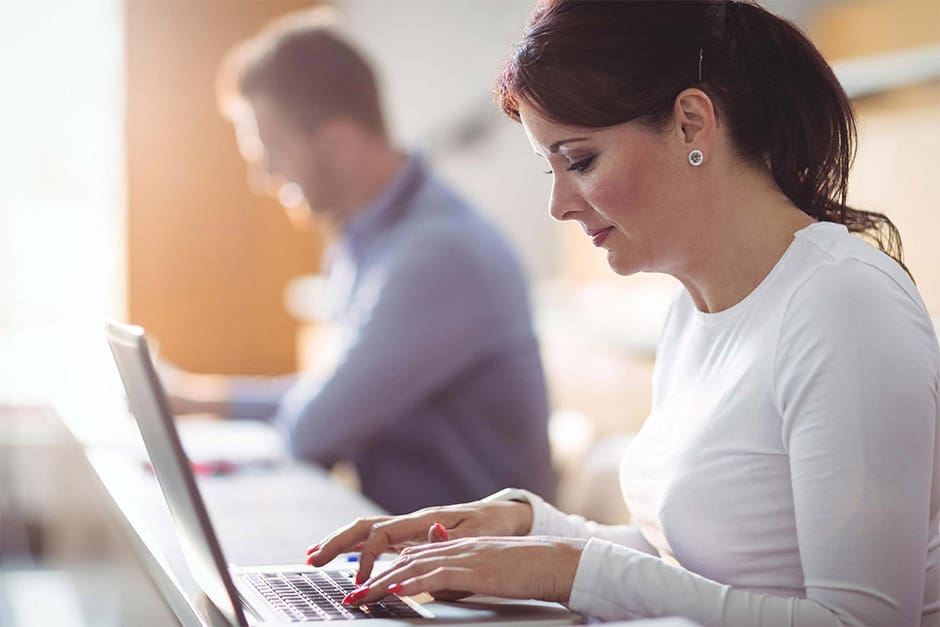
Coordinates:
[809,132]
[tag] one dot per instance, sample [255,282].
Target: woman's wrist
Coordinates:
[518,506]
[522,517]
[570,550]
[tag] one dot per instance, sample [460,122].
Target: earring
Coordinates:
[696,157]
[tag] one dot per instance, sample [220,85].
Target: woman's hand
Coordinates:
[376,535]
[522,568]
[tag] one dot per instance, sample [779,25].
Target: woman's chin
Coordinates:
[622,265]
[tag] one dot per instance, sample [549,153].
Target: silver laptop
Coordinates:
[257,595]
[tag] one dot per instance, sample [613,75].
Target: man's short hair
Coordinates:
[302,64]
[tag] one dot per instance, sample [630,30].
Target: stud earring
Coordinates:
[696,157]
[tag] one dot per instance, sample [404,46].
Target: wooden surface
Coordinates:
[860,28]
[207,259]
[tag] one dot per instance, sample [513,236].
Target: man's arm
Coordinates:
[251,397]
[420,320]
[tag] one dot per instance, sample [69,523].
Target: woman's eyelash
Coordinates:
[578,166]
[581,166]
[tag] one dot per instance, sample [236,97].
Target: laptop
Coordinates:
[272,595]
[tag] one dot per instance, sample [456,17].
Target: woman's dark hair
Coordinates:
[596,63]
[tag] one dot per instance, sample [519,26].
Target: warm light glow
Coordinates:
[290,195]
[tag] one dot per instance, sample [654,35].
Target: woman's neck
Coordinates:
[748,228]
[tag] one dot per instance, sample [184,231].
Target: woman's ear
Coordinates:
[696,119]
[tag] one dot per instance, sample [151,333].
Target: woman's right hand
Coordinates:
[376,535]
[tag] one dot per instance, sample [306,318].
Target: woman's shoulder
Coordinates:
[848,292]
[835,264]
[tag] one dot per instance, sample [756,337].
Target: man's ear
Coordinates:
[696,119]
[328,134]
[340,137]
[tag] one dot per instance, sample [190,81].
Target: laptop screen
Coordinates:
[151,410]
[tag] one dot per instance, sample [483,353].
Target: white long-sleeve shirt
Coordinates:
[789,472]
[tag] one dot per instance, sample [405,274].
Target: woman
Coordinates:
[788,472]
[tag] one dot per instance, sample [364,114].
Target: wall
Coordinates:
[898,131]
[441,77]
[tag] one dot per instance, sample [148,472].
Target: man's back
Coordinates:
[439,394]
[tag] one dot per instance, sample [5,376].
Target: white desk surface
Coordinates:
[263,515]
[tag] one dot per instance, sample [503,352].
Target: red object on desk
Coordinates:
[208,468]
[214,467]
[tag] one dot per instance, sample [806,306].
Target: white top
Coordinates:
[789,472]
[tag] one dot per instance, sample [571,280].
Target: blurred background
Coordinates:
[124,196]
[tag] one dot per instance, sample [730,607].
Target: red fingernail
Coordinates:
[355,595]
[395,588]
[313,549]
[441,531]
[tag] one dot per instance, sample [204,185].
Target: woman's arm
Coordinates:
[549,521]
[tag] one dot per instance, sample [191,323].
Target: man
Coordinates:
[438,394]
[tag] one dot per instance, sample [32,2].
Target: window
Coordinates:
[61,177]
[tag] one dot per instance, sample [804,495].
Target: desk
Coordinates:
[264,516]
[300,503]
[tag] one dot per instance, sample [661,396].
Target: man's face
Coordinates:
[287,154]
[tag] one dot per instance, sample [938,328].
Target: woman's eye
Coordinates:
[581,166]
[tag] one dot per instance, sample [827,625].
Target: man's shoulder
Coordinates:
[449,245]
[439,219]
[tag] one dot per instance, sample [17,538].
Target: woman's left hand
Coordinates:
[521,568]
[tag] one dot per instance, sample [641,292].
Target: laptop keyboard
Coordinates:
[318,596]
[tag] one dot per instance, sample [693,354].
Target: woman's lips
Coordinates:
[598,237]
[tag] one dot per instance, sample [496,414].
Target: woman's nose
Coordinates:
[562,203]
